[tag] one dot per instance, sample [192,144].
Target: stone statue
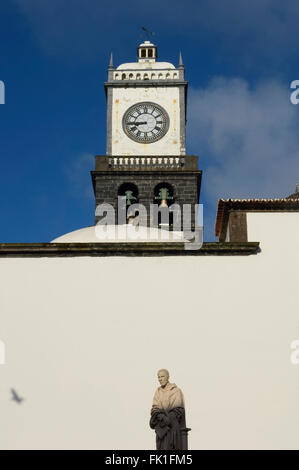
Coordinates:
[168,415]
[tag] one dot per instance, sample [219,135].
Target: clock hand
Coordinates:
[137,123]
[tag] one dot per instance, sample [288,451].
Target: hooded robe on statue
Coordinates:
[168,417]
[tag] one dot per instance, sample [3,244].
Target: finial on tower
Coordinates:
[111,66]
[181,64]
[147,33]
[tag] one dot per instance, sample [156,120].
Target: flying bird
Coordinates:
[15,397]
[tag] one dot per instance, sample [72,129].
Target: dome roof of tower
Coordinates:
[145,65]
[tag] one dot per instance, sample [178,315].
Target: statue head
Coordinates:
[163,377]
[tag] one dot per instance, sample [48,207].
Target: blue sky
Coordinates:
[240,58]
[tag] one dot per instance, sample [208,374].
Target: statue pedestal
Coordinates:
[184,436]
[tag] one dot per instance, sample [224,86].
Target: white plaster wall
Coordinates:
[124,98]
[276,228]
[85,336]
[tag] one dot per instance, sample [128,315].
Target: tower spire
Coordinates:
[181,64]
[111,66]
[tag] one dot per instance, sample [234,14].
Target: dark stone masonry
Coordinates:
[146,175]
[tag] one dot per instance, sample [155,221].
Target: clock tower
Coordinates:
[146,157]
[146,106]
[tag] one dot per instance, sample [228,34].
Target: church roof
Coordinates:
[295,195]
[252,205]
[21,250]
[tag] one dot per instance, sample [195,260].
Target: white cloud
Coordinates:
[247,139]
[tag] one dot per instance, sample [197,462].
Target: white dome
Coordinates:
[146,65]
[119,233]
[147,44]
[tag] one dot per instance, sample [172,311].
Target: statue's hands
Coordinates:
[163,419]
[166,420]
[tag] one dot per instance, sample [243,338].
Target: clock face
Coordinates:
[146,122]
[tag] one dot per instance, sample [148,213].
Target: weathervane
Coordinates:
[147,33]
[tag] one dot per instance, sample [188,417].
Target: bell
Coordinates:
[163,203]
[130,218]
